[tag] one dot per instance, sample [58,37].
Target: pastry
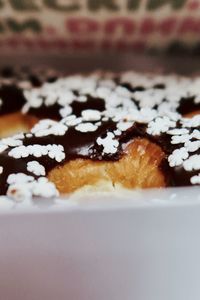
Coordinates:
[127,130]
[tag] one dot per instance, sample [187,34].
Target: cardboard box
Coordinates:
[145,246]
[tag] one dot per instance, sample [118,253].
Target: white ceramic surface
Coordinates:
[143,247]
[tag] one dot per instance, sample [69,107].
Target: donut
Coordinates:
[100,131]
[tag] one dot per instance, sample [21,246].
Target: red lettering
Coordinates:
[167,26]
[189,25]
[83,45]
[60,43]
[28,43]
[12,42]
[138,46]
[124,24]
[193,5]
[82,25]
[43,43]
[50,30]
[122,45]
[148,26]
[106,44]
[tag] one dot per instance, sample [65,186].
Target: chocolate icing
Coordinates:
[11,94]
[187,105]
[12,99]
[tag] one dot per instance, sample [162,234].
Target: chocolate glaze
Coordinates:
[12,99]
[11,94]
[91,103]
[187,105]
[36,76]
[46,112]
[52,111]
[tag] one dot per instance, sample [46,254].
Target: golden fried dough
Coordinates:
[13,123]
[138,168]
[192,114]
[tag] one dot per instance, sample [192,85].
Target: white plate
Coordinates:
[144,246]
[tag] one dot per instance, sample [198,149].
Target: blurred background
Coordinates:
[84,35]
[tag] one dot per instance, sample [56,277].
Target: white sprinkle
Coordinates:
[195,179]
[86,127]
[103,92]
[25,108]
[123,92]
[160,125]
[149,98]
[53,151]
[33,98]
[3,148]
[109,143]
[22,186]
[13,141]
[44,188]
[72,120]
[91,115]
[49,127]
[192,163]
[146,114]
[65,111]
[19,178]
[19,192]
[195,134]
[56,152]
[192,146]
[81,98]
[1,169]
[117,132]
[177,157]
[104,119]
[178,131]
[19,152]
[65,97]
[123,126]
[36,168]
[193,122]
[180,139]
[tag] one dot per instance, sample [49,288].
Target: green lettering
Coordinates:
[98,4]
[133,4]
[24,5]
[176,4]
[31,24]
[55,5]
